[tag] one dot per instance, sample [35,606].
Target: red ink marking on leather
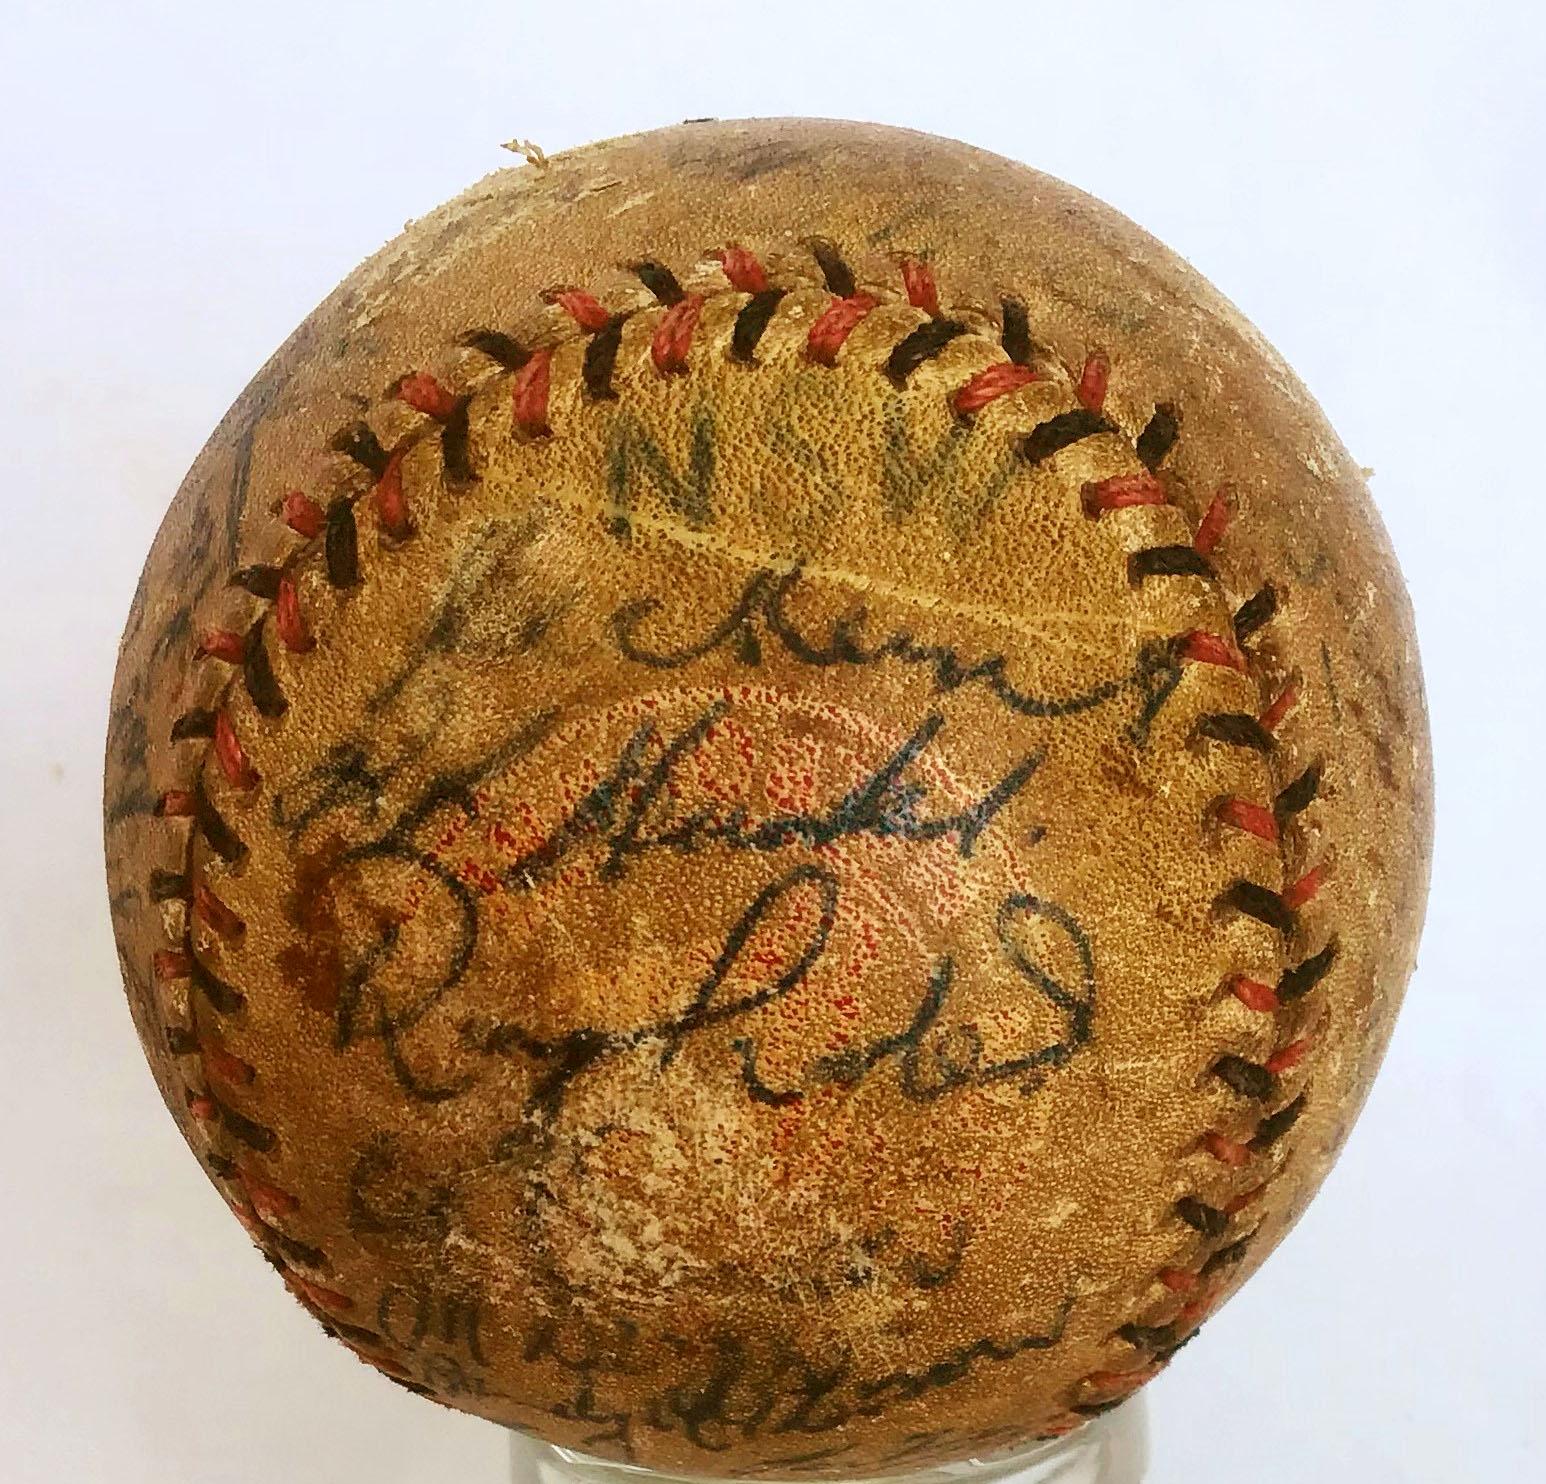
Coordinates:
[231,756]
[1123,491]
[1209,649]
[672,339]
[391,503]
[584,309]
[991,383]
[209,909]
[424,394]
[835,326]
[289,621]
[1254,995]
[1212,525]
[1279,708]
[222,644]
[922,290]
[302,514]
[743,270]
[1289,1057]
[529,393]
[1304,889]
[1254,819]
[1093,381]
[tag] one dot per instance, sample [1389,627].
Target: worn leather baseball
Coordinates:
[768,802]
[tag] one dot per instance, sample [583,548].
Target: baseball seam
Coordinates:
[263,1207]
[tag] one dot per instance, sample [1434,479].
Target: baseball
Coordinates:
[768,802]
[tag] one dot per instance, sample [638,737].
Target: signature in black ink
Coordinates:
[761,613]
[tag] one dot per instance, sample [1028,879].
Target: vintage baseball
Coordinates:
[768,802]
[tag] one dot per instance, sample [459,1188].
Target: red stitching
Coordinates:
[1093,381]
[1178,1280]
[991,383]
[1123,491]
[231,756]
[289,621]
[1254,995]
[208,908]
[225,1065]
[584,309]
[529,394]
[1254,819]
[835,326]
[1305,888]
[922,290]
[673,335]
[302,514]
[424,394]
[177,803]
[269,1201]
[1289,1057]
[1212,525]
[1209,649]
[743,270]
[324,1298]
[1227,1151]
[168,964]
[222,644]
[391,503]
[1274,714]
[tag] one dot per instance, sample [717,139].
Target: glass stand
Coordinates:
[1111,1449]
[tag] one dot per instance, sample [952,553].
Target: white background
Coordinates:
[179,185]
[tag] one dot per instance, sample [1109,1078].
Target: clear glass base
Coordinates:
[1111,1449]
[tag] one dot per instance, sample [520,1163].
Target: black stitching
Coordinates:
[1148,1336]
[1247,1078]
[341,545]
[1060,432]
[199,722]
[1167,561]
[1201,1217]
[751,322]
[1299,794]
[1254,900]
[362,445]
[455,453]
[1270,1130]
[1016,338]
[180,1041]
[356,1332]
[1237,729]
[1254,612]
[931,337]
[221,996]
[253,1135]
[600,358]
[298,1252]
[1158,437]
[168,886]
[838,275]
[1298,981]
[261,582]
[1097,1409]
[498,346]
[1225,1257]
[258,675]
[225,1168]
[660,281]
[218,835]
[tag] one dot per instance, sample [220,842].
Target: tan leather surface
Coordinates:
[736,928]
